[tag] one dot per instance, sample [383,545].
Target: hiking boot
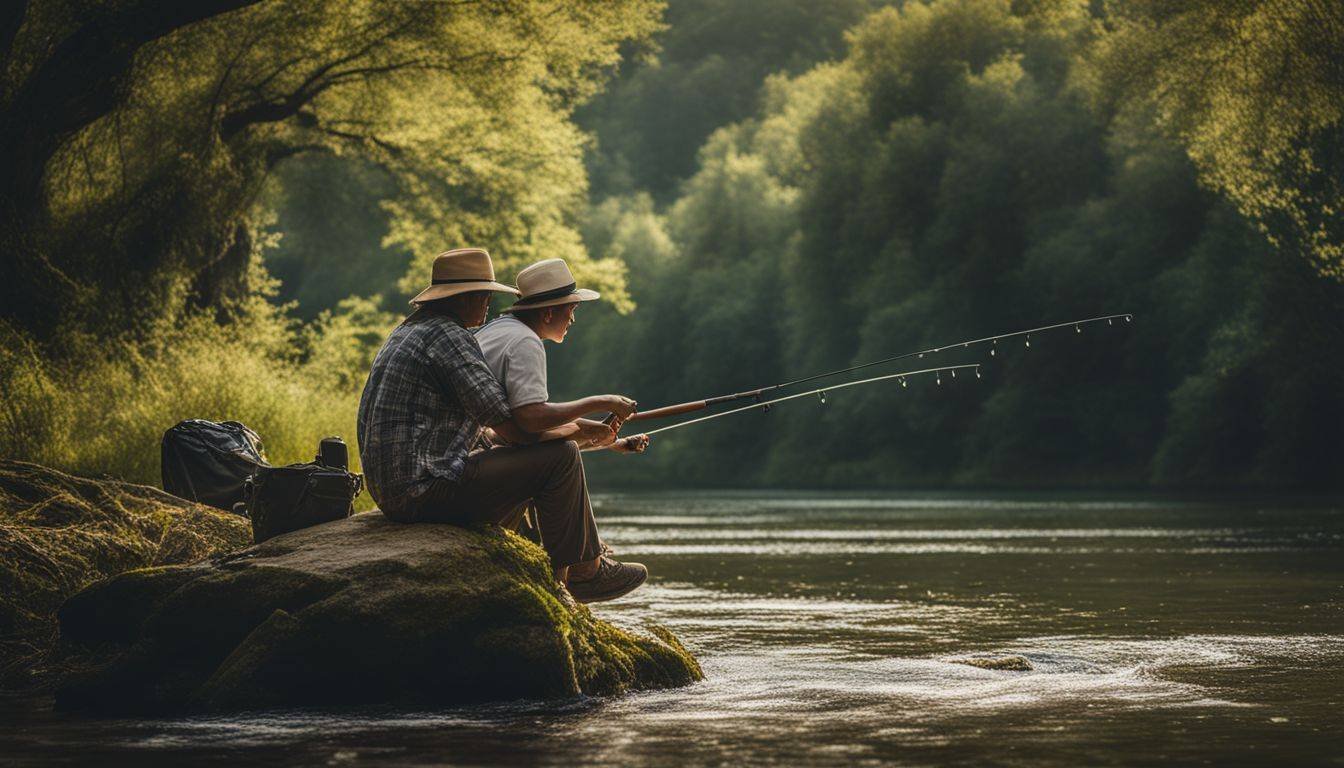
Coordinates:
[606,550]
[612,580]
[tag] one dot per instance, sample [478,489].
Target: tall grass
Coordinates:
[100,408]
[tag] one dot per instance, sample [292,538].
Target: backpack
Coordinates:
[208,462]
[284,499]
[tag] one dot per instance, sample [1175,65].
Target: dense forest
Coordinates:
[963,169]
[228,223]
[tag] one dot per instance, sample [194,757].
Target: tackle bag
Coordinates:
[284,499]
[208,462]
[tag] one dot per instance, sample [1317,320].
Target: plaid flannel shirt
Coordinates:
[428,396]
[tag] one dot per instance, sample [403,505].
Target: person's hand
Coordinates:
[620,405]
[595,433]
[631,444]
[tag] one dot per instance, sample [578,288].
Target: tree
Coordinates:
[66,67]
[138,186]
[1254,89]
[714,57]
[951,178]
[331,227]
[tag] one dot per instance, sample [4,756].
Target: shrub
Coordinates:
[100,408]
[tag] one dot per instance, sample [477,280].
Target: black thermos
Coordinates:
[333,454]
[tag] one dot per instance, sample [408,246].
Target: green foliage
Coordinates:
[777,195]
[331,225]
[713,57]
[105,411]
[1255,92]
[950,179]
[146,203]
[141,201]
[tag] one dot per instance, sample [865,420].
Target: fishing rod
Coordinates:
[822,393]
[698,405]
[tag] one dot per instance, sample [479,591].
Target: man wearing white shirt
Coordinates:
[512,345]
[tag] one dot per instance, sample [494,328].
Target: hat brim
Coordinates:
[444,290]
[579,294]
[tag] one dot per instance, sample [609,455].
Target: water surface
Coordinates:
[834,630]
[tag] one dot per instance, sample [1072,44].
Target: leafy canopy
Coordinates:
[465,104]
[1254,89]
[951,178]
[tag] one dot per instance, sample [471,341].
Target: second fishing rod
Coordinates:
[755,394]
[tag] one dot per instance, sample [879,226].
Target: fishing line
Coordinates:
[822,393]
[696,405]
[1077,325]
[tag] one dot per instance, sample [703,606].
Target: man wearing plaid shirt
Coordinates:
[428,397]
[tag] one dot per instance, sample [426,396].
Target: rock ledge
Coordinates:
[356,612]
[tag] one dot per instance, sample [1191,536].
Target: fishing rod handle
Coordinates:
[668,410]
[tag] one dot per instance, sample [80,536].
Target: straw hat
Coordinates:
[461,270]
[548,284]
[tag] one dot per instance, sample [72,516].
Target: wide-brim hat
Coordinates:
[461,270]
[549,283]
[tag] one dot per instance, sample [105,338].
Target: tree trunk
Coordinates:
[83,79]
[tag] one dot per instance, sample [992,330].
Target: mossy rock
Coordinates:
[354,612]
[59,533]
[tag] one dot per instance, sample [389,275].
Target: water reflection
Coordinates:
[837,630]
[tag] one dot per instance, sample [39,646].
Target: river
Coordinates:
[834,629]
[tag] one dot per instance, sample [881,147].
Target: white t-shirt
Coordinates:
[516,357]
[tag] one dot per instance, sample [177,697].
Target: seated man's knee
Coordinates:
[565,453]
[562,453]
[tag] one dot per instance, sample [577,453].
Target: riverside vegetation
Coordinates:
[829,183]
[60,533]
[141,137]
[962,168]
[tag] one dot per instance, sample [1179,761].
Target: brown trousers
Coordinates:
[499,482]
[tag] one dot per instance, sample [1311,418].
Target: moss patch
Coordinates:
[60,533]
